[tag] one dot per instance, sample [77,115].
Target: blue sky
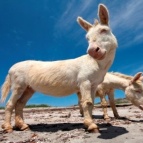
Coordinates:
[47,30]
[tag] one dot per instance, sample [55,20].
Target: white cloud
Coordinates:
[126,19]
[72,11]
[129,15]
[138,38]
[127,22]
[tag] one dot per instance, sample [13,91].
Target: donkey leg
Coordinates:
[112,104]
[104,107]
[16,92]
[79,103]
[19,121]
[87,105]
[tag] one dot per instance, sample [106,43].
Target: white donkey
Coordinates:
[132,85]
[61,78]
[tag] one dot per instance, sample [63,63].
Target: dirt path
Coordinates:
[63,125]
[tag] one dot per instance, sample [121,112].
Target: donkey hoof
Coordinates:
[7,128]
[93,128]
[21,128]
[107,119]
[24,127]
[94,131]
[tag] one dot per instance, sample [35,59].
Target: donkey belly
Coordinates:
[61,90]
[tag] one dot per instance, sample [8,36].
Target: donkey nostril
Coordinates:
[97,49]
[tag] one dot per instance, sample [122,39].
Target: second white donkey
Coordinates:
[131,85]
[61,78]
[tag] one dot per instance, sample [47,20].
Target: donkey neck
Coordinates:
[107,61]
[117,81]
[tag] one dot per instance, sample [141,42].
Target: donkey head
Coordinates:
[100,38]
[134,92]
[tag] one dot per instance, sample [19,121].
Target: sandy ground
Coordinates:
[65,125]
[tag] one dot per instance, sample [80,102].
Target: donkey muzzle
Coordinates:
[96,52]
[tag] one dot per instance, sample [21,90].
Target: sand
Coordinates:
[65,125]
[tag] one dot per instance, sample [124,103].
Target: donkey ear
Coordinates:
[136,77]
[84,24]
[103,14]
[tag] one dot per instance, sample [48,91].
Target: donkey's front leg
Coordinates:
[87,105]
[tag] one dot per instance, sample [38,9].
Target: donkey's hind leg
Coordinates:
[19,121]
[80,103]
[104,107]
[16,93]
[112,104]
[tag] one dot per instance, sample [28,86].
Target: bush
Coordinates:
[35,105]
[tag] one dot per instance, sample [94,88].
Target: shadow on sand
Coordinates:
[107,131]
[113,118]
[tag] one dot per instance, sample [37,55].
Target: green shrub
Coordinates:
[36,105]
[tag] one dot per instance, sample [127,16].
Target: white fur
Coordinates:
[61,78]
[132,85]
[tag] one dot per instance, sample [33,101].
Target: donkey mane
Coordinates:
[122,75]
[126,77]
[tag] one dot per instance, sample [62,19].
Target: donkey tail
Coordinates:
[5,88]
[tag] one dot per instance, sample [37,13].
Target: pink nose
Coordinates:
[96,52]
